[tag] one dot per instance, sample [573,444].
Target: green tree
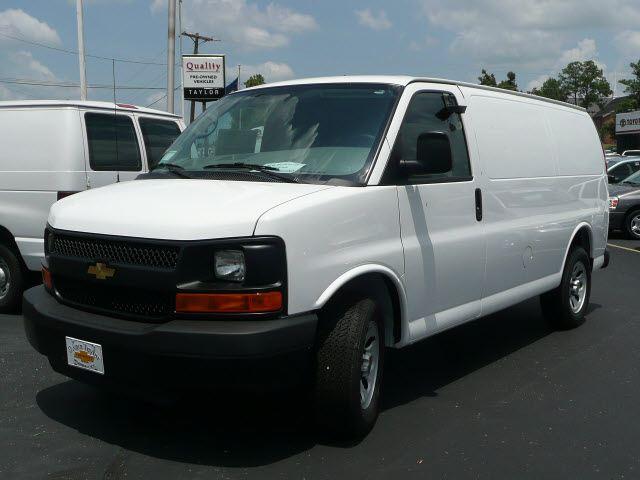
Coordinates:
[584,81]
[626,105]
[488,79]
[632,85]
[254,80]
[607,131]
[510,83]
[551,88]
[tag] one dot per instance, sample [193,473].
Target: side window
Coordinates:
[621,172]
[427,114]
[157,135]
[113,144]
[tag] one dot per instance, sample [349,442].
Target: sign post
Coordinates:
[203,77]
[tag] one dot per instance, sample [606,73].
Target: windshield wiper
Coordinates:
[177,170]
[264,169]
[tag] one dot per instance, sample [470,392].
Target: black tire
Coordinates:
[556,304]
[342,334]
[632,218]
[13,274]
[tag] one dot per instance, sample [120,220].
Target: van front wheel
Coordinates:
[11,280]
[566,306]
[349,364]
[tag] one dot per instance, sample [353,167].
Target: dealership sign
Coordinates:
[203,77]
[628,122]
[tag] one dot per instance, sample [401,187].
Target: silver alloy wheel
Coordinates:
[5,278]
[578,287]
[369,365]
[635,225]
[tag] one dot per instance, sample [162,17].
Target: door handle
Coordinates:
[478,204]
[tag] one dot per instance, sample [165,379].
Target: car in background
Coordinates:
[630,153]
[622,169]
[624,206]
[612,160]
[52,149]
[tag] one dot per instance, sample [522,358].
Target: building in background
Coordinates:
[628,131]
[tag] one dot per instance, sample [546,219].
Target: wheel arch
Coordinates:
[630,210]
[582,235]
[386,287]
[7,239]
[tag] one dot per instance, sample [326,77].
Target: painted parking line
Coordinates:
[623,248]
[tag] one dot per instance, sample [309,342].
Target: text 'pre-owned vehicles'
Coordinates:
[52,149]
[310,224]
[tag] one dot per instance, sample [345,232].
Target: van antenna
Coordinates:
[115,116]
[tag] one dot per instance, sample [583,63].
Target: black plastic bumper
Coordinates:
[176,353]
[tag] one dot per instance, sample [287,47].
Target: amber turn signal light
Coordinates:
[259,302]
[46,278]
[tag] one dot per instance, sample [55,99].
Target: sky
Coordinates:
[285,39]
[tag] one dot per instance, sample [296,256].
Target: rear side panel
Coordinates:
[542,177]
[42,153]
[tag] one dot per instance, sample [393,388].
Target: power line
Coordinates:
[45,83]
[75,52]
[162,97]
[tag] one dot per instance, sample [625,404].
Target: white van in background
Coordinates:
[51,149]
[310,224]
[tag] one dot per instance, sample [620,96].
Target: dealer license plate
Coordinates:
[86,355]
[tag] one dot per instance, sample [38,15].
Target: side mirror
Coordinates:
[433,155]
[612,178]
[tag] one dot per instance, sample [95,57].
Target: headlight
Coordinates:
[613,203]
[229,265]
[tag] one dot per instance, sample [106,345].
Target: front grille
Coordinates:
[132,302]
[115,251]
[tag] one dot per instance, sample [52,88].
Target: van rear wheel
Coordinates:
[349,365]
[11,280]
[566,306]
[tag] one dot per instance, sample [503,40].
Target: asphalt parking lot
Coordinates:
[504,397]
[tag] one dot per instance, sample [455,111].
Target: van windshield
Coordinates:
[306,133]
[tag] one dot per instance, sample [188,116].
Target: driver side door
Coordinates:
[440,217]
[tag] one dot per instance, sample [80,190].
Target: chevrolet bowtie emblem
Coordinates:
[101,271]
[84,357]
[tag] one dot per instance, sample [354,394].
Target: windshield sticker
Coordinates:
[286,167]
[167,156]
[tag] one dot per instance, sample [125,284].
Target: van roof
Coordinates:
[404,80]
[85,104]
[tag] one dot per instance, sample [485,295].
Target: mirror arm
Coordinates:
[449,110]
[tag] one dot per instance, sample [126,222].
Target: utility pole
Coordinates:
[171,55]
[239,76]
[180,56]
[197,39]
[83,70]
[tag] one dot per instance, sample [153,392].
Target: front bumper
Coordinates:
[177,353]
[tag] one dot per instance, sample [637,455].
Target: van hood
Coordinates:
[174,209]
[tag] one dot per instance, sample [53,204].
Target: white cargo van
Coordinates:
[51,149]
[307,225]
